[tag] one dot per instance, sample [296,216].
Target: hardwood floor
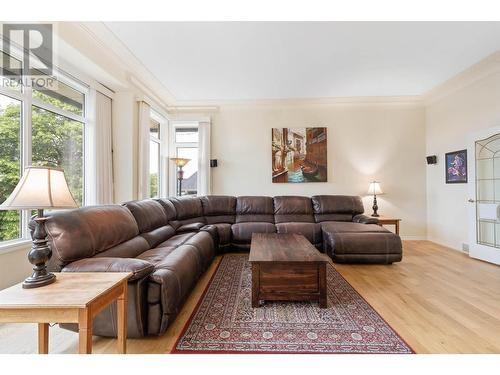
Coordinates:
[439,300]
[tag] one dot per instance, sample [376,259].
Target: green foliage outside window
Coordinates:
[56,141]
[10,170]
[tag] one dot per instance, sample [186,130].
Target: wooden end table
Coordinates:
[286,267]
[75,297]
[384,220]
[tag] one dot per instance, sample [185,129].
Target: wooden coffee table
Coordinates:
[73,298]
[286,267]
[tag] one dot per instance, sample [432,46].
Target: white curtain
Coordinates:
[204,184]
[143,168]
[104,155]
[99,174]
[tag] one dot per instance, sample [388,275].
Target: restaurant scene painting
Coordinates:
[299,155]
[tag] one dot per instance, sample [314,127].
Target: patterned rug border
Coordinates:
[174,350]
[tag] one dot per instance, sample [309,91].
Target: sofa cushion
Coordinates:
[362,243]
[341,227]
[311,231]
[187,207]
[336,207]
[254,209]
[177,240]
[138,267]
[224,232]
[219,209]
[189,210]
[128,249]
[169,208]
[158,235]
[84,232]
[191,227]
[156,255]
[242,232]
[148,213]
[152,220]
[293,209]
[173,279]
[204,243]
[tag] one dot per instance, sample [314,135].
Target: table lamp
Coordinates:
[40,188]
[180,162]
[374,189]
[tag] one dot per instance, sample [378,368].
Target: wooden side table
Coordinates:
[383,220]
[75,297]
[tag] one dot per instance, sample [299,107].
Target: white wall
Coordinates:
[384,142]
[14,266]
[449,121]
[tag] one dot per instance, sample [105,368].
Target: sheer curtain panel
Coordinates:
[143,169]
[204,184]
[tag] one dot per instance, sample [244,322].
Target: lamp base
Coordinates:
[375,206]
[38,281]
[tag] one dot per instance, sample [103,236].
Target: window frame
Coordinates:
[162,138]
[174,125]
[25,96]
[156,140]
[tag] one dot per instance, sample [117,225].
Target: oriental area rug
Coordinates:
[225,322]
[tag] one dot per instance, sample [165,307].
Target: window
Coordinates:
[10,163]
[40,128]
[58,140]
[185,145]
[154,158]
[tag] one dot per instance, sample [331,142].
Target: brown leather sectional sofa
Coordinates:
[168,243]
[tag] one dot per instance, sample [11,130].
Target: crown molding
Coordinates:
[372,100]
[481,70]
[143,78]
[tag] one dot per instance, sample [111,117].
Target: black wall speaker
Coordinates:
[213,163]
[431,159]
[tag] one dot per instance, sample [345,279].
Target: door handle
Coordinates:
[471,200]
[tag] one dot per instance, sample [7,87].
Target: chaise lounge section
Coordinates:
[167,244]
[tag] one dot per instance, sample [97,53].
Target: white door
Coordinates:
[483,157]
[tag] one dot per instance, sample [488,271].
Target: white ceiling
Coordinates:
[252,60]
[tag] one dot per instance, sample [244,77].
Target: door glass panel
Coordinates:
[487,232]
[488,191]
[485,168]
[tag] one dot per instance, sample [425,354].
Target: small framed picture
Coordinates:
[456,167]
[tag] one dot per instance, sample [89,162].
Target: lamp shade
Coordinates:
[40,188]
[374,188]
[180,162]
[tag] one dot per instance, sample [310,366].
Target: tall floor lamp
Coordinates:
[180,163]
[374,189]
[40,188]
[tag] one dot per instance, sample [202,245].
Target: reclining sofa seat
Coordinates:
[254,214]
[295,215]
[351,237]
[179,260]
[220,211]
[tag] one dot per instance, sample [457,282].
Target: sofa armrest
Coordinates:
[139,268]
[214,233]
[191,227]
[363,219]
